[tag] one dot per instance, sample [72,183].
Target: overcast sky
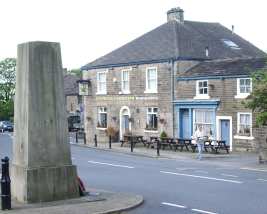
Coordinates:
[88,29]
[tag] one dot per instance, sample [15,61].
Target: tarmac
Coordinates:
[102,202]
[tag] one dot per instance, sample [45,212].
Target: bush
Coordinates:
[163,134]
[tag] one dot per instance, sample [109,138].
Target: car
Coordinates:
[74,123]
[6,126]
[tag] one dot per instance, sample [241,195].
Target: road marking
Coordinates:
[253,169]
[203,177]
[183,169]
[110,164]
[201,171]
[260,179]
[173,205]
[203,211]
[228,175]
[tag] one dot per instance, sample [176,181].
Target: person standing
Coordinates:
[199,137]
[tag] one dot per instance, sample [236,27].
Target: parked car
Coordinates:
[74,122]
[6,126]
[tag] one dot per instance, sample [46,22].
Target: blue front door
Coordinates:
[185,124]
[225,131]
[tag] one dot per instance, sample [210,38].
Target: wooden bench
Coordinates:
[220,145]
[133,138]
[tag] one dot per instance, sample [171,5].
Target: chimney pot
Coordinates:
[233,29]
[176,14]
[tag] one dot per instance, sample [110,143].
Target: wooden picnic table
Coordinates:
[133,138]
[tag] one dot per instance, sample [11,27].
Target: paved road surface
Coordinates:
[171,186]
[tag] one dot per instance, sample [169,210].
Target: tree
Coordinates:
[7,87]
[257,101]
[7,79]
[77,72]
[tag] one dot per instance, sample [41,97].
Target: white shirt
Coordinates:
[198,134]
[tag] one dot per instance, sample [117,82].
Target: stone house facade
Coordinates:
[136,88]
[211,96]
[131,110]
[71,91]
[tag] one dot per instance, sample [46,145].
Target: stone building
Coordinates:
[211,94]
[135,87]
[71,91]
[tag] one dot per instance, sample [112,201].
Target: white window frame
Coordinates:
[127,91]
[202,96]
[149,90]
[151,113]
[101,110]
[237,136]
[104,91]
[240,95]
[203,124]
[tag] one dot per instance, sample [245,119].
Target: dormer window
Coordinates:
[244,87]
[230,44]
[202,89]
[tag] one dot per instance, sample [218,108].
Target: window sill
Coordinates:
[124,92]
[150,92]
[243,137]
[241,96]
[101,93]
[151,131]
[100,128]
[202,97]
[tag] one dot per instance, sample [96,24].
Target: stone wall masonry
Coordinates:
[225,90]
[137,100]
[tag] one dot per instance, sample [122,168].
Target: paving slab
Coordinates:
[97,202]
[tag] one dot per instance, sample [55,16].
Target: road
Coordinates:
[170,186]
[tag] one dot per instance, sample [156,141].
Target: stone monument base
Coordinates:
[46,183]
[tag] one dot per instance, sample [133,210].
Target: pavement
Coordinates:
[97,202]
[247,160]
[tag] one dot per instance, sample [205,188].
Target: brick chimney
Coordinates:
[176,14]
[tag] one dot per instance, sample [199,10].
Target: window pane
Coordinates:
[205,91]
[205,84]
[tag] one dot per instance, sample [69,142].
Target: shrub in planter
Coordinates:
[163,134]
[113,132]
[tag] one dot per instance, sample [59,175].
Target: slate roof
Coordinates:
[174,40]
[225,67]
[70,84]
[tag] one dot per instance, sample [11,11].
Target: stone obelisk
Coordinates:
[42,169]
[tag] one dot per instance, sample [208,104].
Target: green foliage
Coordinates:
[163,134]
[257,101]
[7,87]
[7,79]
[77,72]
[6,110]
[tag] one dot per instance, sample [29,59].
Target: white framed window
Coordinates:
[244,87]
[151,80]
[152,118]
[244,124]
[125,81]
[204,118]
[202,89]
[101,117]
[102,82]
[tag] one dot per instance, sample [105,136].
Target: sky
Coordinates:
[89,29]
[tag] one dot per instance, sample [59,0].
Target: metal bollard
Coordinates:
[84,137]
[110,142]
[95,140]
[158,148]
[5,185]
[131,145]
[76,136]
